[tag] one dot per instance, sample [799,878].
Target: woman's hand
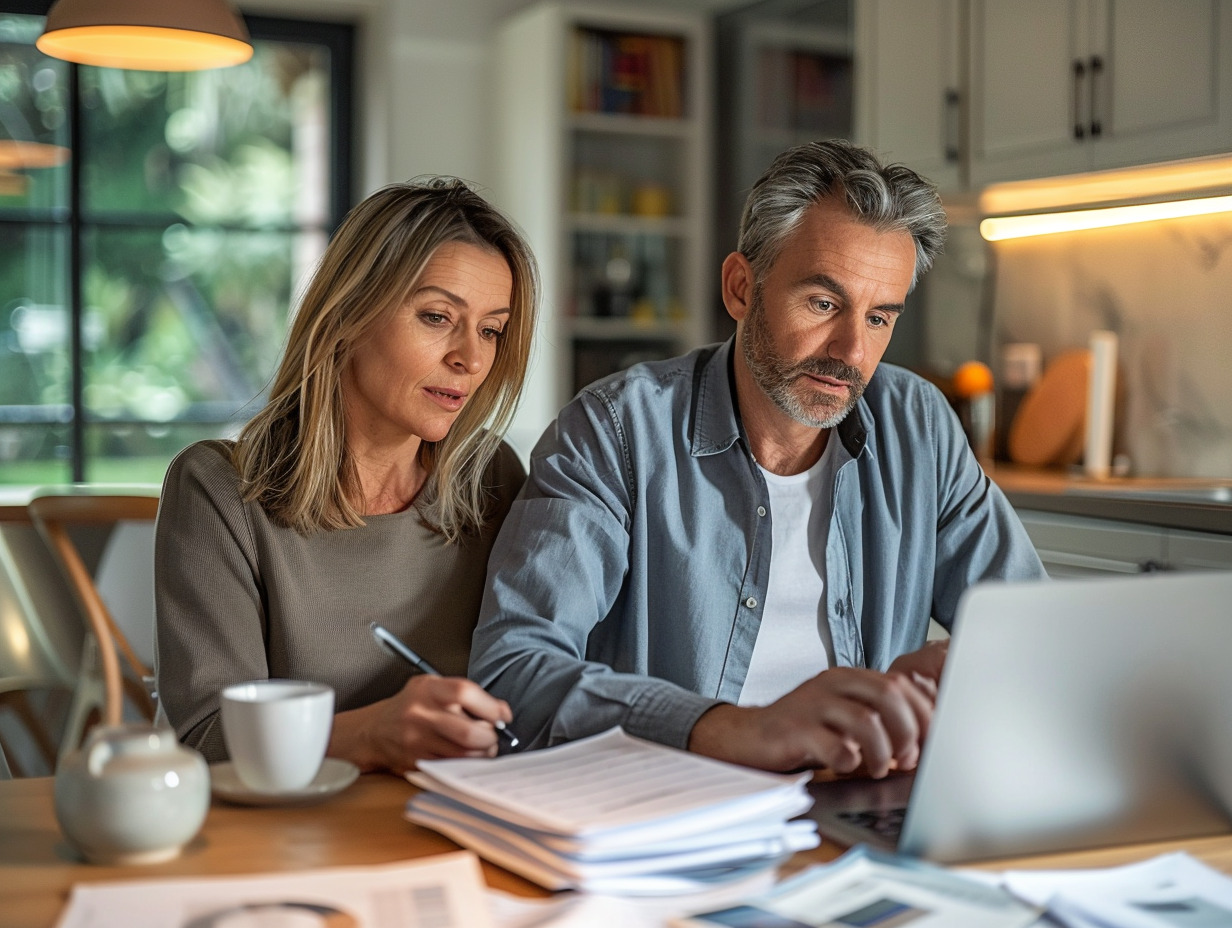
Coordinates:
[429,718]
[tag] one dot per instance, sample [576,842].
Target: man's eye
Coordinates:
[823,305]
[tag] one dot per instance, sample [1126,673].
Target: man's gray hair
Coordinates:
[888,197]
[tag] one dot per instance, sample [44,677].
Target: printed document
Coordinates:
[616,814]
[867,888]
[446,891]
[1169,891]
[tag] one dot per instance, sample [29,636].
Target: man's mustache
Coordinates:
[830,367]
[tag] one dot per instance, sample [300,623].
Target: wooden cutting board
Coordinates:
[1050,425]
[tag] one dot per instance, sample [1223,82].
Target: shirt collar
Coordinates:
[716,421]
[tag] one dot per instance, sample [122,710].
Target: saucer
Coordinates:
[334,776]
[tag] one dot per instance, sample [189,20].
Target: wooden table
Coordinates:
[363,825]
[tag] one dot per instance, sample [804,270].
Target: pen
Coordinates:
[394,645]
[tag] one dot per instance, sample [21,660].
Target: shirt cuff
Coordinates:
[666,714]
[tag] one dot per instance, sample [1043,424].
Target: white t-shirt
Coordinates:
[793,643]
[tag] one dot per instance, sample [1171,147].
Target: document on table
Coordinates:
[446,891]
[1169,891]
[866,888]
[611,782]
[616,814]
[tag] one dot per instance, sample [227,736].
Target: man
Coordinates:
[701,538]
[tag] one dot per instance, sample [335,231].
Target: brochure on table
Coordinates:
[866,888]
[446,891]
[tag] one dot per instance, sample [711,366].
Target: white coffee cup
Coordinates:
[276,732]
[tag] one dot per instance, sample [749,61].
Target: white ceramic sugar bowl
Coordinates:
[131,795]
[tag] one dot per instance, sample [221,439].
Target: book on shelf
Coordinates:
[627,73]
[613,813]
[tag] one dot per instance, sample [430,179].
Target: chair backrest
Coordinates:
[40,623]
[53,515]
[41,639]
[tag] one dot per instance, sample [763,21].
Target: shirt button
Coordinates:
[761,510]
[751,602]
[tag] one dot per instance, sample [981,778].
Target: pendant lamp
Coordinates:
[146,35]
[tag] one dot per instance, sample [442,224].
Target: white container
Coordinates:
[1101,405]
[277,731]
[131,795]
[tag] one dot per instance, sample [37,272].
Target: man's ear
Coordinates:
[737,281]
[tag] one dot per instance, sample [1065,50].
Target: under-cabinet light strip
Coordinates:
[999,228]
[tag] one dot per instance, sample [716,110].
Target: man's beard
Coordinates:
[776,376]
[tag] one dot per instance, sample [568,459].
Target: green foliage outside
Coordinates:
[199,219]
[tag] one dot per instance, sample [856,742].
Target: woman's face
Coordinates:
[412,376]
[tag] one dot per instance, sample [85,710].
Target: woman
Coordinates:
[370,488]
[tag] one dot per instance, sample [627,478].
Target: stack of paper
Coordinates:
[612,813]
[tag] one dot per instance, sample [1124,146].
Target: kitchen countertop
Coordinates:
[1194,504]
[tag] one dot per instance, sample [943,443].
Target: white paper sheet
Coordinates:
[605,782]
[866,888]
[1169,891]
[445,891]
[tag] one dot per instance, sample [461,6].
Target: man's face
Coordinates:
[819,321]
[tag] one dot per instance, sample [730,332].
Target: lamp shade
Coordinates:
[146,35]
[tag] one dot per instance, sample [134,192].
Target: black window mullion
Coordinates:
[77,446]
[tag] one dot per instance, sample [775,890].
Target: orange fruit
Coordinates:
[972,379]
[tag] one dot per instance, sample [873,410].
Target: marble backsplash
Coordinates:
[1165,288]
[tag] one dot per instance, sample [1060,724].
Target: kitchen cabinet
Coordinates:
[1074,546]
[970,92]
[909,104]
[1079,546]
[1064,86]
[1198,551]
[603,128]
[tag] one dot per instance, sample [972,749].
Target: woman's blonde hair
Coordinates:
[292,456]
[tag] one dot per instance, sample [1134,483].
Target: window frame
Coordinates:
[338,36]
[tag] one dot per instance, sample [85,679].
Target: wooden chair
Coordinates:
[53,515]
[41,633]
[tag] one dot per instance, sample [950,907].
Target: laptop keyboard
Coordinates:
[887,823]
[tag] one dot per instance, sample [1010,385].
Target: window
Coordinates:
[153,229]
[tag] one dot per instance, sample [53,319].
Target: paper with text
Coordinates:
[446,891]
[605,782]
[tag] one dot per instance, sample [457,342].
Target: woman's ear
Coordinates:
[737,283]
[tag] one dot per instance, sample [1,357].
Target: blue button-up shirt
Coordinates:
[626,586]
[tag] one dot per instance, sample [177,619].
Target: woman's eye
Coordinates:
[492,333]
[433,318]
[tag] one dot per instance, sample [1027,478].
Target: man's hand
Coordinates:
[924,667]
[841,719]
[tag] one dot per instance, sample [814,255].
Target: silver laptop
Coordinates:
[1072,714]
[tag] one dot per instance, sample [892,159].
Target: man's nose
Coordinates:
[847,341]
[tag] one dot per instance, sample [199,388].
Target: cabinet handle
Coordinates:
[951,125]
[1080,73]
[1097,69]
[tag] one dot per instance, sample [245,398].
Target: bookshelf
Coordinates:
[785,78]
[604,149]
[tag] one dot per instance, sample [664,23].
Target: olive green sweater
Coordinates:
[240,598]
